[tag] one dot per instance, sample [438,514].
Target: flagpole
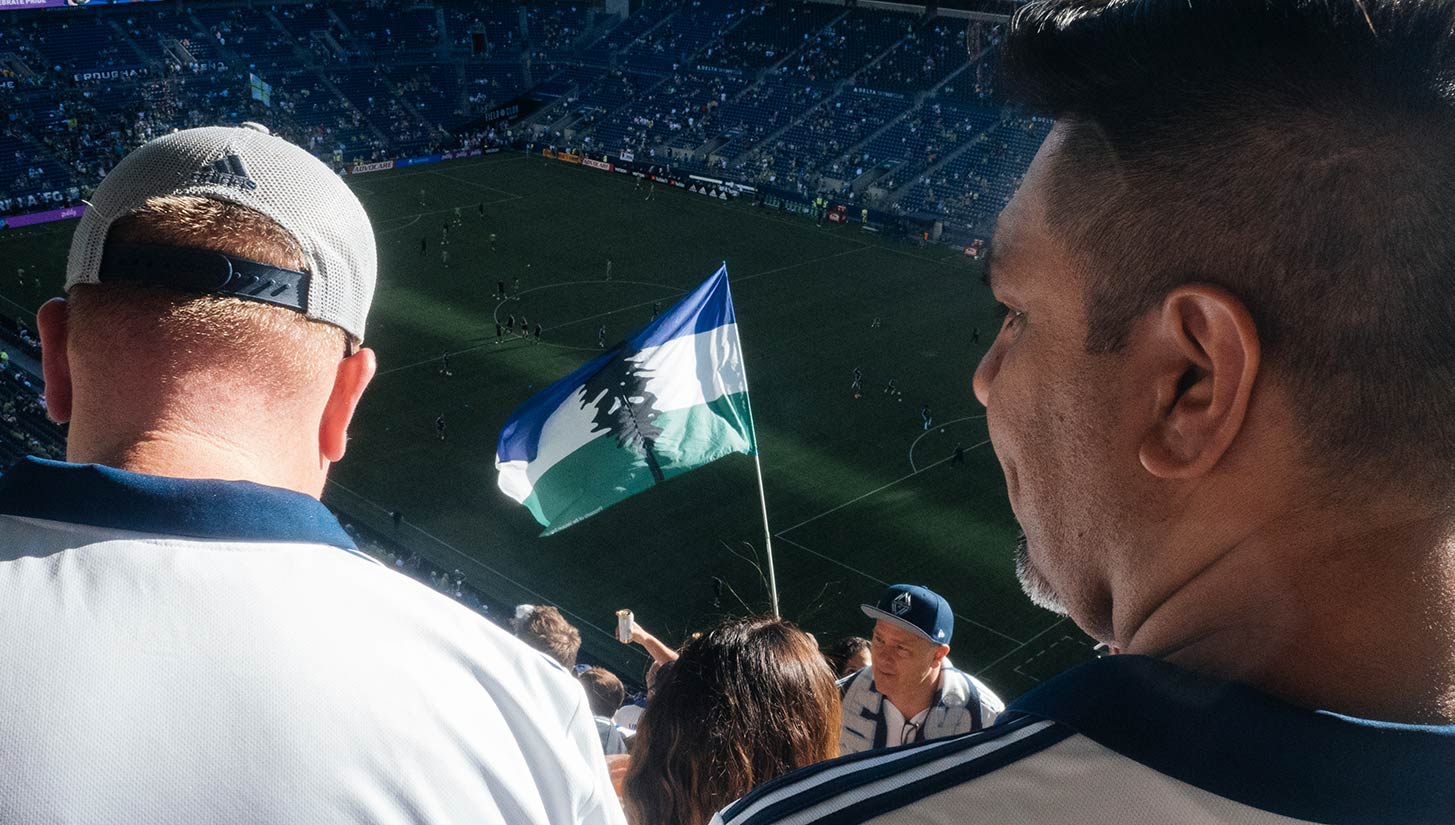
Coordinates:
[758,466]
[767,533]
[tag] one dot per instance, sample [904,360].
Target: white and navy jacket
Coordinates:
[961,704]
[175,651]
[1128,740]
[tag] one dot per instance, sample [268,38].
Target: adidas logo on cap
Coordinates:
[227,171]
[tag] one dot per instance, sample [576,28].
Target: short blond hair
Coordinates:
[278,347]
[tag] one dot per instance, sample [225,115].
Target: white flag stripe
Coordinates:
[514,481]
[711,363]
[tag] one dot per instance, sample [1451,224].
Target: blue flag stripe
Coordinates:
[706,308]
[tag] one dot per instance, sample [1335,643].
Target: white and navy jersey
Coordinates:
[1128,740]
[961,704]
[185,651]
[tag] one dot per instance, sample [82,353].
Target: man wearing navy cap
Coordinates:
[911,692]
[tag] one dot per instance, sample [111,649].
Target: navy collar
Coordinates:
[1243,745]
[101,496]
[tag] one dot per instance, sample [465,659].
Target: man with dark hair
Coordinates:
[1220,395]
[545,629]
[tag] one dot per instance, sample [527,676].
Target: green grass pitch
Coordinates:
[859,494]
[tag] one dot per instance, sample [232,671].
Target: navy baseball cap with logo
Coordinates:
[917,609]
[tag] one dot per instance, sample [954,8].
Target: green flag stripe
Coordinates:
[601,473]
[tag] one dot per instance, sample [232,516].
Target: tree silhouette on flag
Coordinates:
[625,407]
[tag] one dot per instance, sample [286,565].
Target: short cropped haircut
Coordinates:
[273,345]
[546,630]
[1297,153]
[604,691]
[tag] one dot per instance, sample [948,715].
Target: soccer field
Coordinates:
[859,494]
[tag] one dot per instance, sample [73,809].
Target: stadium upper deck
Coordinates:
[885,108]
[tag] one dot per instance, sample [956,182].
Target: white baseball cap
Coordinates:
[250,167]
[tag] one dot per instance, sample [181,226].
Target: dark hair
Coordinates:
[839,654]
[1296,153]
[546,630]
[604,691]
[749,700]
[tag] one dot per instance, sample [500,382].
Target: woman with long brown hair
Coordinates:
[747,701]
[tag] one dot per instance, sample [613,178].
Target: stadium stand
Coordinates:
[869,106]
[845,46]
[767,35]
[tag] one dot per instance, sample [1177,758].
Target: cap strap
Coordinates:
[206,271]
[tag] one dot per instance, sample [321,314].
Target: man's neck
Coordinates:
[180,453]
[1357,618]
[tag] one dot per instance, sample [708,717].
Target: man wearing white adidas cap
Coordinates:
[910,692]
[186,634]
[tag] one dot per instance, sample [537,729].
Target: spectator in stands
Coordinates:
[605,692]
[544,628]
[227,614]
[910,692]
[849,655]
[662,658]
[747,701]
[1228,441]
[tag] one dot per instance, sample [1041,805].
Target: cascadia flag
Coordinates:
[671,397]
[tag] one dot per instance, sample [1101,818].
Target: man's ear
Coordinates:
[52,321]
[1204,369]
[353,376]
[941,651]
